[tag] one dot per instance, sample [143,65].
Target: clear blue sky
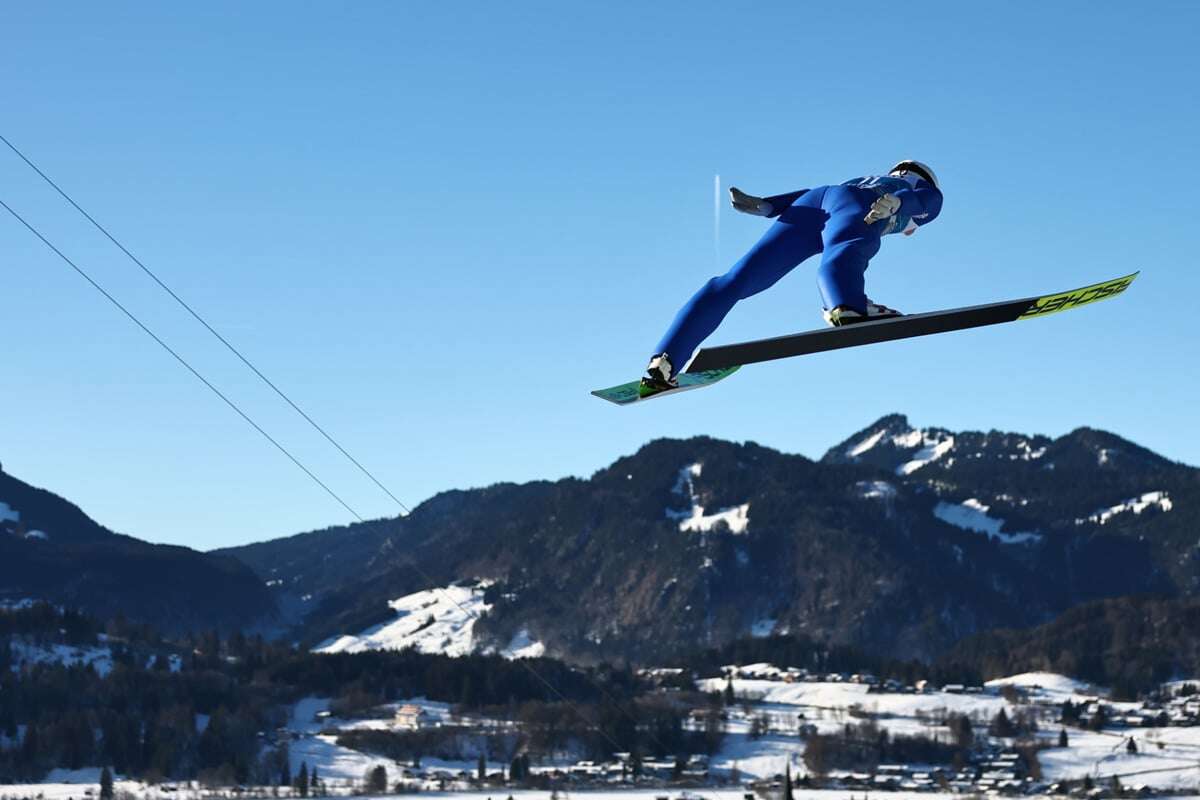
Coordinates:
[438,226]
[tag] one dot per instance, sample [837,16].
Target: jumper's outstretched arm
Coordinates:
[762,206]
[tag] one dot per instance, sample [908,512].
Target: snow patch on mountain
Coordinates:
[895,445]
[972,515]
[1026,452]
[875,490]
[433,621]
[1134,504]
[934,447]
[8,513]
[736,518]
[930,446]
[524,646]
[37,535]
[174,662]
[26,654]
[865,445]
[684,483]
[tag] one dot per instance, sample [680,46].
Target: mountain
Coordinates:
[899,539]
[51,550]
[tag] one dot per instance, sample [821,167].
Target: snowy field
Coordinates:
[67,791]
[1166,759]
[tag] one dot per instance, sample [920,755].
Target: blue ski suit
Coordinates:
[825,219]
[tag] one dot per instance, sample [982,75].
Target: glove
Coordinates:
[883,208]
[749,204]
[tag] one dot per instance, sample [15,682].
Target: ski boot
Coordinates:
[659,377]
[844,315]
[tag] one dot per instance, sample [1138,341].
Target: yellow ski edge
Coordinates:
[1053,303]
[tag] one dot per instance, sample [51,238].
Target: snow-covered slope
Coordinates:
[1048,685]
[1134,505]
[696,518]
[26,654]
[440,620]
[1166,758]
[972,515]
[433,621]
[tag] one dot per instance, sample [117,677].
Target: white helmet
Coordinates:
[919,168]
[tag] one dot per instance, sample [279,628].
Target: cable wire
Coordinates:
[369,523]
[179,358]
[196,315]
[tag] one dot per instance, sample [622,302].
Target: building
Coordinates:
[411,718]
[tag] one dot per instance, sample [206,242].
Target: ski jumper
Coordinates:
[825,219]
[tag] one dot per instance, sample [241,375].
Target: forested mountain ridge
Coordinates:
[902,539]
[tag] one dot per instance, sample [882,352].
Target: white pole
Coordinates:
[717,222]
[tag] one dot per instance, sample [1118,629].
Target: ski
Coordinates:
[627,393]
[903,327]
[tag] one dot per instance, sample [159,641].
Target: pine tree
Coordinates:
[31,752]
[377,780]
[1131,747]
[302,780]
[1002,726]
[106,784]
[730,698]
[481,768]
[961,730]
[816,755]
[787,785]
[313,781]
[1063,741]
